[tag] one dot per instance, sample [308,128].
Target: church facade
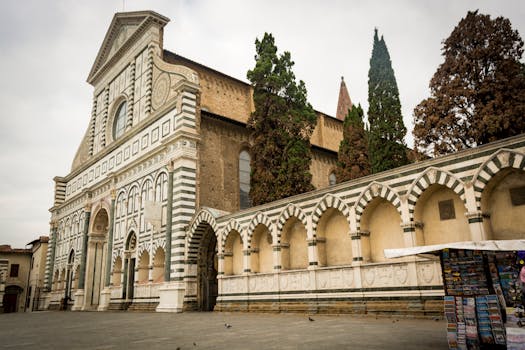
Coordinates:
[154,214]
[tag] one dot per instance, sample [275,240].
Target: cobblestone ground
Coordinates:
[127,330]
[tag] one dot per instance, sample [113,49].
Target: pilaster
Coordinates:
[357,252]
[276,249]
[312,254]
[246,266]
[80,293]
[475,224]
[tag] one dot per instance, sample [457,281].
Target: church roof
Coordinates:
[344,103]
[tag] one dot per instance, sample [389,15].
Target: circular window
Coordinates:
[120,121]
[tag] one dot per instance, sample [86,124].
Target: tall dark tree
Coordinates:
[478,93]
[281,127]
[387,147]
[353,159]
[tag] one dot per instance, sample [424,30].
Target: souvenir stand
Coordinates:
[484,292]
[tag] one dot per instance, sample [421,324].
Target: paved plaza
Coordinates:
[127,330]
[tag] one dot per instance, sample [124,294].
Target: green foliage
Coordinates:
[353,159]
[387,148]
[478,93]
[281,126]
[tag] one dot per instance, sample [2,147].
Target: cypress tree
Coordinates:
[387,148]
[281,127]
[353,159]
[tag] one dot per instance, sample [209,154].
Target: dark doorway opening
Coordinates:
[11,298]
[208,286]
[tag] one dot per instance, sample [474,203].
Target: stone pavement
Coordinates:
[127,330]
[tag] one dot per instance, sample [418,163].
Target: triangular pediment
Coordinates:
[124,30]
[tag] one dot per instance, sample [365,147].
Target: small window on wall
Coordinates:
[119,124]
[244,179]
[446,210]
[517,196]
[332,180]
[14,270]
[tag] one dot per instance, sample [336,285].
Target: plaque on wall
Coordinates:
[446,210]
[517,195]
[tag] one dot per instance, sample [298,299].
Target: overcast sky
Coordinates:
[47,49]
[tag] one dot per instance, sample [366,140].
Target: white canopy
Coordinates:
[515,244]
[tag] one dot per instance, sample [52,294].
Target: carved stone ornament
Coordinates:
[160,90]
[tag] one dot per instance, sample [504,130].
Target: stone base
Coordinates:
[416,307]
[171,297]
[105,297]
[79,300]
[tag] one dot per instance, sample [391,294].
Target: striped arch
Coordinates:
[329,201]
[198,227]
[143,248]
[159,243]
[504,158]
[232,225]
[260,218]
[119,253]
[429,177]
[373,190]
[291,210]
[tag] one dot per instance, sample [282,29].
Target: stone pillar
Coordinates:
[105,294]
[276,257]
[357,253]
[312,254]
[409,234]
[79,294]
[246,261]
[475,223]
[107,277]
[169,219]
[220,263]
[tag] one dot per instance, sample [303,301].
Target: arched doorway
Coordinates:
[207,285]
[129,267]
[11,298]
[97,250]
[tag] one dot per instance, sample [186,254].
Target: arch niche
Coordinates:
[334,244]
[381,229]
[96,258]
[439,217]
[503,205]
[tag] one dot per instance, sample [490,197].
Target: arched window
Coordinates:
[332,180]
[120,121]
[244,179]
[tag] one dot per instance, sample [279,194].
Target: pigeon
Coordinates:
[310,319]
[227,325]
[194,344]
